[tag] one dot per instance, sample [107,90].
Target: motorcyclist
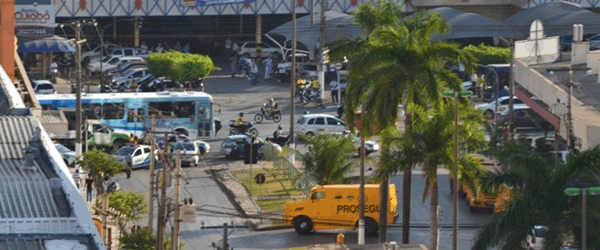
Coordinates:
[241,124]
[278,136]
[270,107]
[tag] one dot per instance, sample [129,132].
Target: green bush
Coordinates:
[93,83]
[486,54]
[180,67]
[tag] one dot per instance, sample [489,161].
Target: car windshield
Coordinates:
[301,120]
[185,146]
[114,61]
[540,232]
[106,59]
[45,86]
[124,150]
[310,67]
[62,149]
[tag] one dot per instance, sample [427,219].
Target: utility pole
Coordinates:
[361,220]
[224,247]
[151,179]
[293,77]
[78,90]
[569,114]
[455,176]
[160,239]
[105,236]
[322,50]
[511,93]
[177,216]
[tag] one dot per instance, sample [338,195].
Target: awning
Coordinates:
[48,44]
[538,109]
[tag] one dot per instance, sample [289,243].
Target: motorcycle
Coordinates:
[306,94]
[236,130]
[281,141]
[275,116]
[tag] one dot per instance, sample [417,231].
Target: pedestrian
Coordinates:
[128,161]
[131,139]
[77,178]
[144,47]
[228,45]
[235,48]
[89,182]
[159,49]
[234,61]
[268,65]
[133,86]
[331,75]
[342,90]
[243,67]
[333,85]
[254,71]
[54,70]
[281,70]
[177,46]
[186,49]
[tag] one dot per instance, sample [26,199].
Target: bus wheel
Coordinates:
[371,227]
[303,225]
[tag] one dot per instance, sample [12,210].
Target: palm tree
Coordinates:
[538,199]
[431,143]
[326,160]
[397,64]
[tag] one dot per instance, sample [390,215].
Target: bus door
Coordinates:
[135,117]
[204,126]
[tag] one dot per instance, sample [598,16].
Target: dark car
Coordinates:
[124,68]
[525,118]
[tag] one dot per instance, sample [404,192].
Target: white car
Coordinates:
[43,87]
[370,146]
[190,153]
[536,241]
[113,62]
[67,154]
[128,77]
[140,155]
[96,51]
[95,66]
[248,49]
[313,124]
[488,108]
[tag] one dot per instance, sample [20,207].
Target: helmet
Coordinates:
[280,126]
[242,114]
[271,100]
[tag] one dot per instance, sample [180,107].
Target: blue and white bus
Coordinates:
[189,113]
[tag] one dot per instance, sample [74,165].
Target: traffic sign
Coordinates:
[338,65]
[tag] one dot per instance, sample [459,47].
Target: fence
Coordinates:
[301,180]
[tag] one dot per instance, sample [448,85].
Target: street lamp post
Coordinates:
[455,174]
[584,192]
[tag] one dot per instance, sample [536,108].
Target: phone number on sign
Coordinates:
[32,32]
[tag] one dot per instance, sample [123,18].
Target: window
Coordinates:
[250,45]
[132,115]
[137,74]
[311,121]
[505,102]
[519,113]
[320,121]
[318,195]
[517,101]
[117,52]
[146,150]
[129,52]
[113,111]
[114,60]
[264,46]
[94,111]
[184,109]
[301,120]
[137,152]
[350,197]
[331,121]
[160,108]
[45,86]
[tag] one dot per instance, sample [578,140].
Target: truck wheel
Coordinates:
[118,144]
[371,227]
[303,225]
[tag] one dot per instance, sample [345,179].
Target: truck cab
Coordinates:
[338,206]
[101,135]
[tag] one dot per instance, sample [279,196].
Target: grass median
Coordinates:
[274,193]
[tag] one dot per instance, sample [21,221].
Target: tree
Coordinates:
[397,64]
[180,67]
[100,165]
[430,143]
[326,160]
[538,198]
[142,239]
[129,204]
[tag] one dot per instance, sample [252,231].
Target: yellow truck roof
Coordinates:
[353,186]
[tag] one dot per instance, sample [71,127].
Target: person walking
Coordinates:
[281,70]
[342,90]
[89,182]
[254,71]
[77,178]
[234,61]
[228,45]
[235,48]
[333,86]
[128,160]
[268,65]
[54,70]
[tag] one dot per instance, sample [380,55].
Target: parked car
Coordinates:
[488,108]
[116,72]
[536,240]
[370,146]
[113,63]
[43,87]
[313,124]
[145,84]
[523,117]
[203,147]
[67,154]
[310,70]
[122,52]
[594,42]
[248,49]
[134,74]
[233,146]
[96,51]
[95,66]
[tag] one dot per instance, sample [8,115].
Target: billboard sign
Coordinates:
[193,3]
[34,20]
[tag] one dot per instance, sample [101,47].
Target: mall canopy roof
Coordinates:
[48,44]
[337,25]
[558,19]
[470,25]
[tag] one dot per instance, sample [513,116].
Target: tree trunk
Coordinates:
[383,204]
[433,233]
[406,192]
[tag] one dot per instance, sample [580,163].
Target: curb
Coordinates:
[259,227]
[228,193]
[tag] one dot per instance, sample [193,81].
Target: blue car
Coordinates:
[233,146]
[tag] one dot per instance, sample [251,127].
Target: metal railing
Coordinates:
[300,179]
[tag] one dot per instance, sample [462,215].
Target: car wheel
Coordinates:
[234,155]
[310,134]
[489,114]
[371,227]
[303,225]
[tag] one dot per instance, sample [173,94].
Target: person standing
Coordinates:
[268,65]
[89,182]
[177,46]
[234,61]
[235,48]
[333,85]
[128,160]
[54,70]
[342,90]
[254,71]
[159,49]
[228,45]
[77,178]
[186,49]
[281,70]
[144,47]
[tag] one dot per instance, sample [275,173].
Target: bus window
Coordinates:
[113,111]
[160,108]
[184,109]
[131,115]
[94,111]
